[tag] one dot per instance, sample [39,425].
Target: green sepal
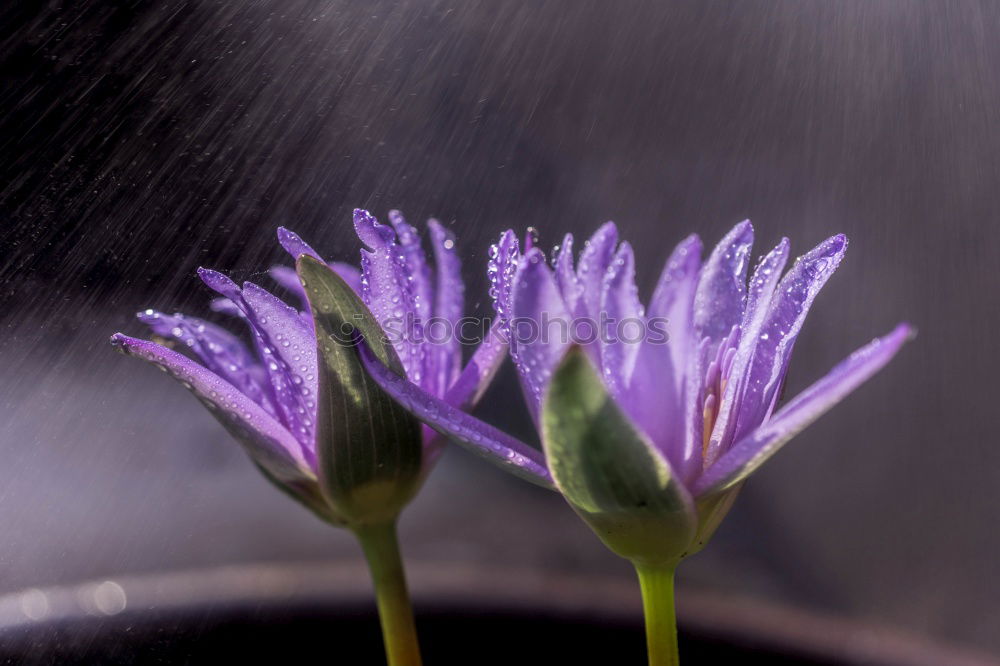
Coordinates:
[369,449]
[609,471]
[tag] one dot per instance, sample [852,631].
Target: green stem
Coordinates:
[657,583]
[395,613]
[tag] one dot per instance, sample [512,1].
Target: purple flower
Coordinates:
[652,424]
[266,394]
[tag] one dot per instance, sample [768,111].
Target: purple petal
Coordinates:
[416,263]
[721,292]
[434,375]
[539,330]
[350,274]
[449,301]
[291,367]
[386,290]
[762,285]
[225,306]
[688,460]
[748,454]
[505,255]
[267,441]
[471,433]
[218,282]
[656,395]
[783,321]
[295,246]
[566,278]
[221,352]
[530,238]
[651,399]
[673,301]
[597,255]
[621,343]
[449,304]
[478,372]
[287,278]
[288,350]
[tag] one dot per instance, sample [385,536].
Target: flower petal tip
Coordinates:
[118,341]
[225,306]
[294,245]
[439,232]
[686,257]
[213,277]
[904,331]
[253,289]
[128,345]
[742,232]
[148,316]
[221,284]
[370,232]
[607,230]
[838,243]
[534,260]
[285,236]
[692,240]
[624,248]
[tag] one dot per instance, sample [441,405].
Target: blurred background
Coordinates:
[139,140]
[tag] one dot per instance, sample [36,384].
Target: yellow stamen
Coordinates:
[709,415]
[708,419]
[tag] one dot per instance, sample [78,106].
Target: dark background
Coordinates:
[141,140]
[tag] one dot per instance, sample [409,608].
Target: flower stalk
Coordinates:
[657,584]
[395,612]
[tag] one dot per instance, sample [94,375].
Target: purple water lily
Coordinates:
[705,399]
[266,394]
[649,437]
